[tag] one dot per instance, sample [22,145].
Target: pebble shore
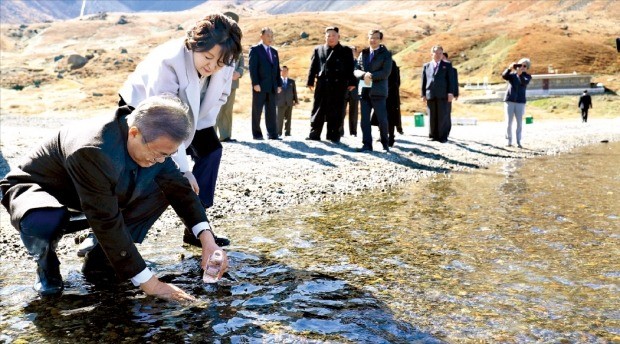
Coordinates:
[264,177]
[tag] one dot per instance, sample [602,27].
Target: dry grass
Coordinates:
[481,36]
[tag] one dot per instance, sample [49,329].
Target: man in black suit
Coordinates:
[393,103]
[286,100]
[437,93]
[374,67]
[331,67]
[352,99]
[585,103]
[454,81]
[264,73]
[116,170]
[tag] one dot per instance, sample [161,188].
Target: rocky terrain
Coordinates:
[258,178]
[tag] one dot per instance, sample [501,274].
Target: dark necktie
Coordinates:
[269,54]
[372,55]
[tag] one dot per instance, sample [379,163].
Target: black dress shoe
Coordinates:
[258,138]
[276,138]
[312,139]
[190,239]
[228,139]
[97,268]
[364,149]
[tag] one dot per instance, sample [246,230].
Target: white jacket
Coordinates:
[169,68]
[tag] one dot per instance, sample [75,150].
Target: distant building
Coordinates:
[561,84]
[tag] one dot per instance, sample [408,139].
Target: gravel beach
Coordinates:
[264,177]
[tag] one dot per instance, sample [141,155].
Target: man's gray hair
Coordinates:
[162,115]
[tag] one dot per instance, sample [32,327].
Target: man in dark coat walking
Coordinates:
[331,67]
[585,103]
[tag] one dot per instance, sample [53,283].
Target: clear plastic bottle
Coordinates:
[213,267]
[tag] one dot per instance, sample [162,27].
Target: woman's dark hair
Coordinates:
[216,29]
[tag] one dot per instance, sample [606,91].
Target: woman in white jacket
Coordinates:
[198,69]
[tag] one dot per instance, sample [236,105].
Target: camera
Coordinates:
[517,65]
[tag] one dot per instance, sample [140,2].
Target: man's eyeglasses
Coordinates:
[158,155]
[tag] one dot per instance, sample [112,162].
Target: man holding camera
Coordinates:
[517,77]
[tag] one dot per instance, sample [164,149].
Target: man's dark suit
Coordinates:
[374,97]
[332,68]
[286,99]
[435,87]
[352,99]
[585,103]
[266,73]
[88,168]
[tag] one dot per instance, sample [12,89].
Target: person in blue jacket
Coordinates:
[517,77]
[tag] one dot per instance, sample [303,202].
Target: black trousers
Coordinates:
[352,99]
[584,115]
[327,107]
[265,100]
[440,123]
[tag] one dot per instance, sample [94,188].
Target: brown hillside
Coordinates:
[482,37]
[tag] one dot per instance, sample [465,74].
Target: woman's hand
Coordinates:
[155,287]
[192,181]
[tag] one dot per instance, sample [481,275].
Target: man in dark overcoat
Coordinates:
[331,69]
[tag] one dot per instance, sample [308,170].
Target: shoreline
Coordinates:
[258,178]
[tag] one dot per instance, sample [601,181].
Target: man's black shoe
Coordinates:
[364,149]
[97,268]
[312,139]
[190,239]
[258,138]
[276,138]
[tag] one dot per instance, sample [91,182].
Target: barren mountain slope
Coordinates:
[482,37]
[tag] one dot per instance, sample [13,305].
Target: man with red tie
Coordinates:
[438,92]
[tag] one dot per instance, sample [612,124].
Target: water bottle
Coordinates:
[213,267]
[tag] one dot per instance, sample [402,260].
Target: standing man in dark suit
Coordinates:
[374,67]
[286,99]
[264,72]
[454,81]
[352,99]
[118,171]
[585,103]
[393,103]
[437,93]
[331,67]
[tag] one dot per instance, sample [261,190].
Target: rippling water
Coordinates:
[524,252]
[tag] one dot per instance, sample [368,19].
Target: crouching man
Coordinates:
[116,170]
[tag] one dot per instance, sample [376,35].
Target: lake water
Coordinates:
[523,252]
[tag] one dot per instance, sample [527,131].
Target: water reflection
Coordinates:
[526,252]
